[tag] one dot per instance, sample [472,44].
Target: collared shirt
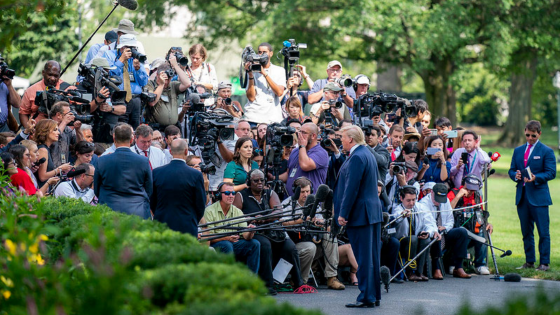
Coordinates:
[476,166]
[156,156]
[140,76]
[353,148]
[215,213]
[92,52]
[530,150]
[28,106]
[71,189]
[421,218]
[320,84]
[447,219]
[109,150]
[288,206]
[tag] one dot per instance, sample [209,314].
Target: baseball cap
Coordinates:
[127,40]
[362,79]
[331,86]
[472,182]
[224,85]
[111,36]
[440,193]
[156,63]
[103,63]
[334,63]
[412,166]
[428,185]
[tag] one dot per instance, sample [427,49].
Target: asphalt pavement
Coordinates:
[432,297]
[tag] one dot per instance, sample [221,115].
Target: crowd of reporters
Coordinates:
[139,147]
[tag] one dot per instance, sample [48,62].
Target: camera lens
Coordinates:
[228,101]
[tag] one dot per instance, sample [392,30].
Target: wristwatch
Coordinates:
[343,95]
[301,147]
[112,109]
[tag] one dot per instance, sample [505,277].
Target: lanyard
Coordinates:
[470,166]
[138,152]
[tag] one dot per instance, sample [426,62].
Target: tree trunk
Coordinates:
[388,78]
[519,111]
[440,95]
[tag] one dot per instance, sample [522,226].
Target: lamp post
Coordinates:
[556,84]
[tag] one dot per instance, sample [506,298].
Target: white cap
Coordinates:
[362,79]
[127,40]
[428,185]
[334,63]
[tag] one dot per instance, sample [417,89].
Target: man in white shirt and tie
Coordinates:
[143,146]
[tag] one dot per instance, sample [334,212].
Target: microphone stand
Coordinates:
[485,217]
[413,259]
[87,41]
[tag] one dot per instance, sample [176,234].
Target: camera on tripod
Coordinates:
[96,78]
[257,61]
[5,71]
[290,51]
[197,102]
[206,130]
[79,106]
[280,136]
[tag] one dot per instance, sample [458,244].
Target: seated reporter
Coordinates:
[274,244]
[80,186]
[311,246]
[391,245]
[8,168]
[455,239]
[47,133]
[162,112]
[243,246]
[21,179]
[406,177]
[468,194]
[414,231]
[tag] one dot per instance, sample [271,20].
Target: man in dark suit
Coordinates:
[357,206]
[123,179]
[532,196]
[179,197]
[382,156]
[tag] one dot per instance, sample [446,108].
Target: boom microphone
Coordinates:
[129,4]
[306,208]
[512,277]
[385,274]
[320,196]
[507,253]
[75,173]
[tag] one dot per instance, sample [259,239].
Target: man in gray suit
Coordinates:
[123,179]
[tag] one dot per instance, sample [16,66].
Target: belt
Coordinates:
[136,95]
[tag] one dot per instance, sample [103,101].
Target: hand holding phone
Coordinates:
[432,151]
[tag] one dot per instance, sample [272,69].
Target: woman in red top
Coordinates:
[21,179]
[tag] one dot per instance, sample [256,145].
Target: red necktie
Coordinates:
[526,157]
[393,156]
[146,154]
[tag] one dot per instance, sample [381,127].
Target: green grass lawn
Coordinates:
[507,230]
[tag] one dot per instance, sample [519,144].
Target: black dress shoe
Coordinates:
[272,292]
[397,280]
[377,303]
[360,305]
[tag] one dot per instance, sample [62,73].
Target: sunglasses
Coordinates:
[532,136]
[228,192]
[259,180]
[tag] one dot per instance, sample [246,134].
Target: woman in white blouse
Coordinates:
[202,73]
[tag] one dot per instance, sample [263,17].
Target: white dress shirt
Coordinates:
[156,156]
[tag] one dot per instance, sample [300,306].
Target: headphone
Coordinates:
[355,82]
[218,193]
[299,182]
[472,177]
[251,173]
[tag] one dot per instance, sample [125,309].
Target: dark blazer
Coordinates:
[334,167]
[543,165]
[355,193]
[123,181]
[383,159]
[179,197]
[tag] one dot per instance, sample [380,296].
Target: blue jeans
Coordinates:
[243,250]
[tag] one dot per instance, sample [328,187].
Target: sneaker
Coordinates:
[482,270]
[334,284]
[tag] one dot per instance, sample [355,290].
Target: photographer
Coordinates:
[61,114]
[8,97]
[51,78]
[162,112]
[224,100]
[134,76]
[309,159]
[401,174]
[334,71]
[80,186]
[265,89]
[382,156]
[336,158]
[330,111]
[292,86]
[415,123]
[202,73]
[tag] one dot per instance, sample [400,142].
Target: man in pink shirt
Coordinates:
[51,78]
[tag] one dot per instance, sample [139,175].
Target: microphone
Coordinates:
[495,156]
[328,206]
[320,196]
[295,198]
[306,208]
[385,274]
[512,277]
[385,217]
[75,173]
[506,253]
[129,4]
[41,161]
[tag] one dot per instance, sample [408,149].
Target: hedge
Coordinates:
[65,256]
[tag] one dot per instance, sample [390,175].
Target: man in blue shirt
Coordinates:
[110,37]
[8,96]
[334,71]
[134,77]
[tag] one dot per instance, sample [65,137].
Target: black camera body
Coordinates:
[399,167]
[197,102]
[137,55]
[335,103]
[280,136]
[257,61]
[290,51]
[208,169]
[5,71]
[96,78]
[206,130]
[325,143]
[181,59]
[80,107]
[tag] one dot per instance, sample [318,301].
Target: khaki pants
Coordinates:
[309,252]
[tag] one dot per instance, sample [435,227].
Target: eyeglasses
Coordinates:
[228,192]
[88,175]
[532,136]
[157,138]
[258,180]
[335,70]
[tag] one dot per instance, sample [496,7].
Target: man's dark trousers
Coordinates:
[529,216]
[366,245]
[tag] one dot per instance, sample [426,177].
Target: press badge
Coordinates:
[164,98]
[391,231]
[131,77]
[293,172]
